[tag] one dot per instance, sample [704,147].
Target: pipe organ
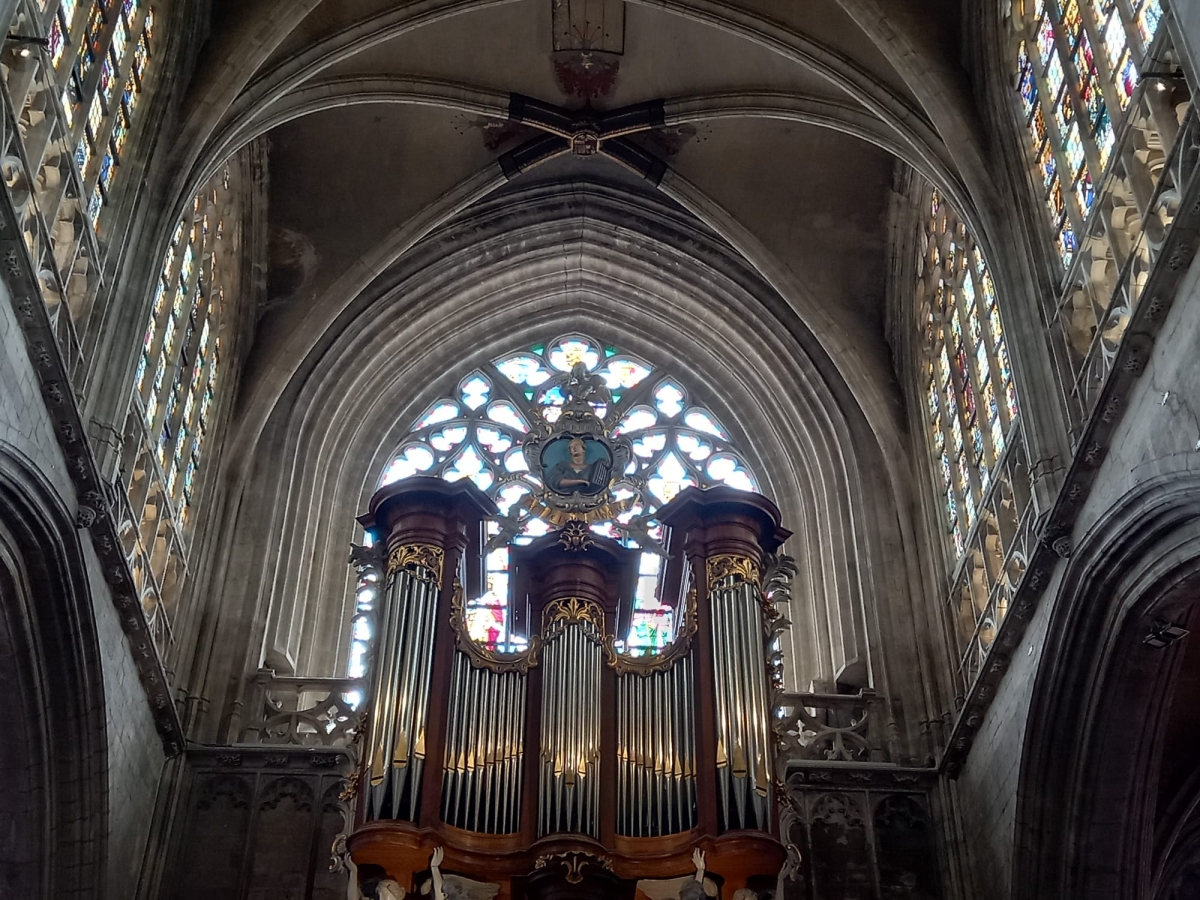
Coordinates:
[566,763]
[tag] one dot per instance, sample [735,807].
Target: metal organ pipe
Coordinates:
[569,787]
[402,683]
[656,751]
[481,779]
[739,664]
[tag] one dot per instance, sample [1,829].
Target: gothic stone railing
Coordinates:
[832,728]
[304,712]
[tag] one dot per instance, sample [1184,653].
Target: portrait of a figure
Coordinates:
[572,464]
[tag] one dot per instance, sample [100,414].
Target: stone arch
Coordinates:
[494,281]
[1089,814]
[53,751]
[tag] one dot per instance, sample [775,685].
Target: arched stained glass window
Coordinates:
[970,398]
[177,389]
[98,54]
[476,434]
[1077,70]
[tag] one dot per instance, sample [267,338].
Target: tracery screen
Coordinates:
[476,434]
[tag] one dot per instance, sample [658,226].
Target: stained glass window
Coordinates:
[476,435]
[112,54]
[969,397]
[182,340]
[1063,76]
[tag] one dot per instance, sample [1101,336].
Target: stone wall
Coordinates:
[134,751]
[258,824]
[1159,433]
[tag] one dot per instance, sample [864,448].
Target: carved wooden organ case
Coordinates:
[570,769]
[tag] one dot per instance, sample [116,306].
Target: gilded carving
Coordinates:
[576,536]
[573,610]
[424,560]
[573,861]
[657,662]
[724,565]
[481,657]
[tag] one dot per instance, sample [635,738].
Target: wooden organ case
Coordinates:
[569,769]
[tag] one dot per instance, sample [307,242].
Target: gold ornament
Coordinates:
[576,536]
[482,657]
[423,560]
[724,565]
[571,611]
[657,662]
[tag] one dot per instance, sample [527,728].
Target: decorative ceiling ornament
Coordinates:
[586,75]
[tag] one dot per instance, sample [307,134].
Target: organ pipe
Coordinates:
[502,756]
[572,661]
[656,765]
[743,722]
[402,684]
[485,744]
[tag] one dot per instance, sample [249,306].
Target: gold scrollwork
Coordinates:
[573,861]
[424,560]
[724,565]
[576,536]
[482,657]
[657,662]
[572,610]
[350,790]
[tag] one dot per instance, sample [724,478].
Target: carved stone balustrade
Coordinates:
[303,712]
[832,727]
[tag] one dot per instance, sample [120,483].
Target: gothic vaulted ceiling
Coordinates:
[774,124]
[704,183]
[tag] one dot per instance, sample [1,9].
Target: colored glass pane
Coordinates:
[1127,78]
[120,39]
[1106,138]
[1064,115]
[1065,243]
[1054,76]
[89,50]
[1114,42]
[1047,164]
[106,170]
[1054,199]
[95,202]
[56,42]
[1072,21]
[1149,17]
[107,78]
[1045,39]
[1037,126]
[1085,194]
[120,132]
